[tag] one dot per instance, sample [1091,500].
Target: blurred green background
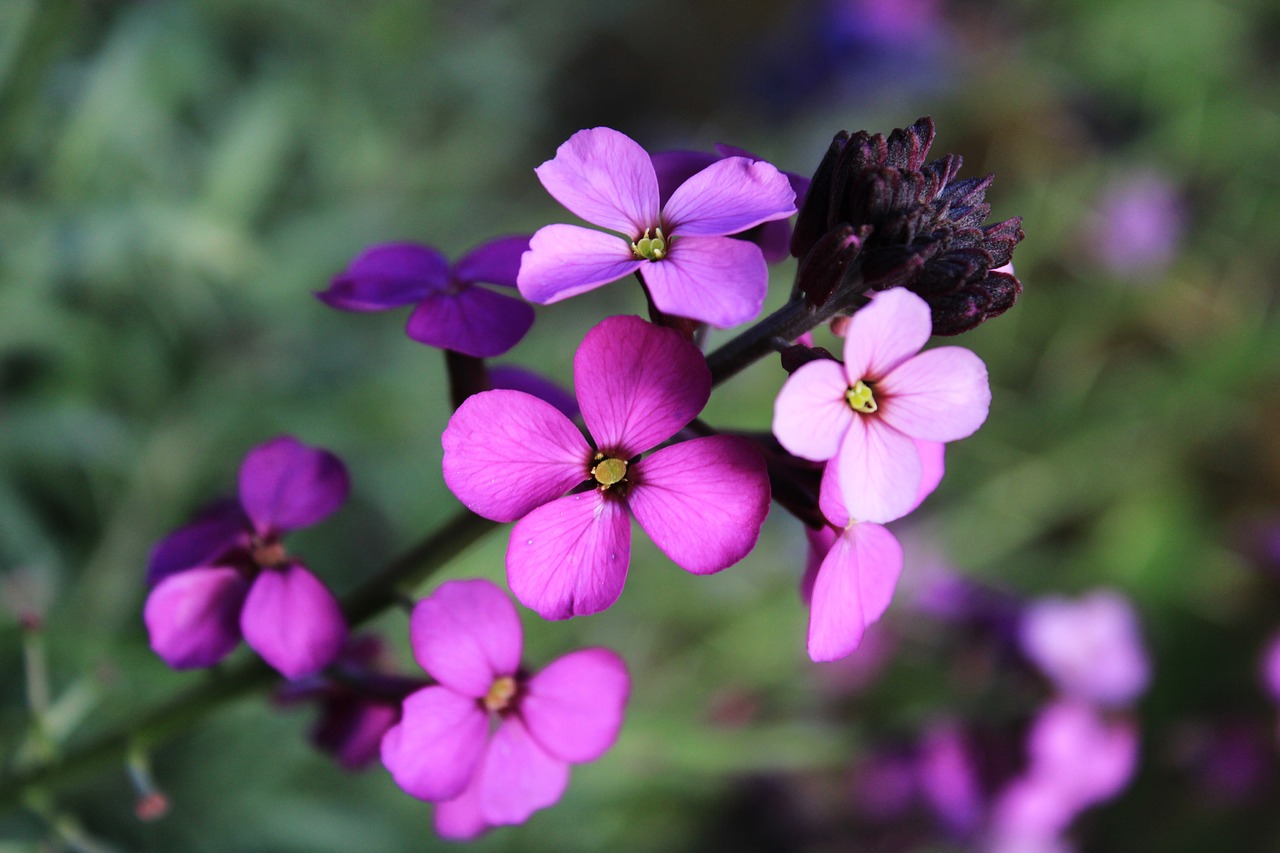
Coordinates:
[176,178]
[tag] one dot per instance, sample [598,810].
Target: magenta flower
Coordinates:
[509,456]
[679,248]
[227,574]
[467,637]
[866,414]
[452,311]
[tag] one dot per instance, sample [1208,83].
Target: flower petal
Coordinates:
[216,530]
[352,730]
[716,280]
[293,621]
[517,776]
[506,452]
[675,167]
[569,557]
[494,262]
[885,333]
[638,384]
[193,617]
[473,321]
[940,395]
[285,484]
[811,414]
[729,196]
[387,276]
[574,707]
[820,542]
[435,749]
[515,378]
[459,819]
[853,589]
[878,470]
[565,260]
[606,178]
[702,501]
[933,467]
[466,635]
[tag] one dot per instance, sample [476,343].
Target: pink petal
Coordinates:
[387,276]
[606,178]
[574,707]
[716,280]
[940,395]
[494,262]
[853,589]
[473,321]
[638,384]
[729,196]
[885,333]
[459,819]
[565,260]
[702,501]
[820,542]
[569,557]
[811,414]
[878,470]
[518,777]
[830,499]
[932,467]
[193,617]
[466,635]
[293,621]
[435,749]
[285,484]
[506,452]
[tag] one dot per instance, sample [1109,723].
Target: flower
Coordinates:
[452,312]
[680,248]
[1137,225]
[866,414]
[509,456]
[227,574]
[467,637]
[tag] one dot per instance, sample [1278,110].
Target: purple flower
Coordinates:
[680,248]
[227,574]
[509,456]
[948,779]
[467,637]
[1271,668]
[1137,225]
[452,312]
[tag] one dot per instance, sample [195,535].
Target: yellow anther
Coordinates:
[650,248]
[860,398]
[609,472]
[500,694]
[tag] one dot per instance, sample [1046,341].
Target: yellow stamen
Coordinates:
[500,694]
[650,248]
[860,398]
[609,472]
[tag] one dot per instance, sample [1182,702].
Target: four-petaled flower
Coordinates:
[467,636]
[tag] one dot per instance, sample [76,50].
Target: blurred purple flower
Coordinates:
[948,779]
[1271,667]
[1137,226]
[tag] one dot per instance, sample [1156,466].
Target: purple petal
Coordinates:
[638,384]
[518,777]
[513,378]
[1085,757]
[215,530]
[811,414]
[193,617]
[494,262]
[293,621]
[853,589]
[387,276]
[574,707]
[885,333]
[473,321]
[284,484]
[506,452]
[879,471]
[716,280]
[435,749]
[675,167]
[466,635]
[569,557]
[940,395]
[352,730]
[606,178]
[729,196]
[565,260]
[702,501]
[459,819]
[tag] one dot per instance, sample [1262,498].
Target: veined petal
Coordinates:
[830,499]
[885,333]
[293,621]
[435,749]
[387,276]
[285,484]
[517,776]
[193,617]
[729,196]
[940,395]
[569,557]
[494,262]
[217,529]
[606,178]
[716,280]
[879,471]
[466,635]
[574,707]
[811,414]
[474,321]
[565,260]
[932,467]
[702,501]
[638,384]
[854,587]
[506,452]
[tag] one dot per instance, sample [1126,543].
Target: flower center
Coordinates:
[860,398]
[650,248]
[500,694]
[608,471]
[268,552]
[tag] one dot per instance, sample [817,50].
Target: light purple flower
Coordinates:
[452,312]
[227,575]
[509,456]
[680,248]
[867,414]
[1137,226]
[467,636]
[948,779]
